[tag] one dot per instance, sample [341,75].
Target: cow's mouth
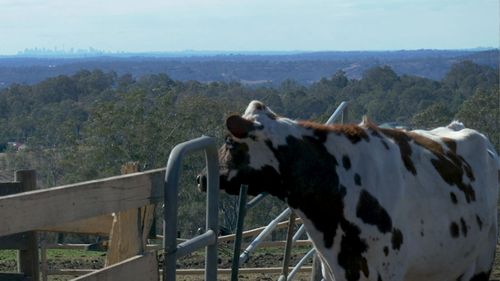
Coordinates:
[228,187]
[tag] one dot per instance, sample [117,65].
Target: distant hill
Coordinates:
[251,68]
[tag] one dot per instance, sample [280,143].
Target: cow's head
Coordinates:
[247,157]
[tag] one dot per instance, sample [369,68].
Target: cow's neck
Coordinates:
[310,181]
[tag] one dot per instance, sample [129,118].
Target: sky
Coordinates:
[248,25]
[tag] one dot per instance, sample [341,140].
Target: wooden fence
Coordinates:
[84,208]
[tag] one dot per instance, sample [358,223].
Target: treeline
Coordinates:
[85,126]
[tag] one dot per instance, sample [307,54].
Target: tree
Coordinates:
[481,112]
[436,115]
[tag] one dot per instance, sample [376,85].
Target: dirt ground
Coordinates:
[273,258]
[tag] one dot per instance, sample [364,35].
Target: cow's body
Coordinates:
[378,204]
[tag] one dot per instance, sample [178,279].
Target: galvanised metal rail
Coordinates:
[340,112]
[207,239]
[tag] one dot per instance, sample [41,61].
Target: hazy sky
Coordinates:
[248,25]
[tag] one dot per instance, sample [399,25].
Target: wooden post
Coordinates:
[27,261]
[130,229]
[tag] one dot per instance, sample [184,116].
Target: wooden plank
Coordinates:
[244,270]
[142,267]
[7,188]
[85,247]
[74,272]
[125,239]
[100,225]
[14,277]
[16,241]
[28,259]
[42,208]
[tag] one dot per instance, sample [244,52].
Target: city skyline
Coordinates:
[246,26]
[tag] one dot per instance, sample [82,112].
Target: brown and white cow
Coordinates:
[378,204]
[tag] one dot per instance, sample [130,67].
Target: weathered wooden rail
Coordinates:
[45,208]
[81,208]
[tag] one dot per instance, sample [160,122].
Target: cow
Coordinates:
[378,204]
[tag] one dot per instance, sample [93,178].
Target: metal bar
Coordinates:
[171,197]
[191,245]
[242,205]
[269,228]
[212,217]
[300,264]
[299,232]
[256,200]
[337,113]
[288,247]
[316,274]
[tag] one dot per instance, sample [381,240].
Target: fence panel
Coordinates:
[42,208]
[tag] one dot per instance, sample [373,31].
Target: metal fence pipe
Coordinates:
[171,197]
[299,232]
[300,264]
[338,112]
[212,216]
[239,232]
[256,200]
[191,245]
[269,228]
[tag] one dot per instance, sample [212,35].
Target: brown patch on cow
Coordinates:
[357,179]
[453,198]
[463,227]
[353,132]
[450,166]
[454,230]
[479,222]
[352,247]
[375,132]
[346,162]
[450,143]
[397,239]
[385,144]
[402,139]
[238,126]
[386,251]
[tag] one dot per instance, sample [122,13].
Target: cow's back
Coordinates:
[452,203]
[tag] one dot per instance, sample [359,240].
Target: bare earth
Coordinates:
[265,259]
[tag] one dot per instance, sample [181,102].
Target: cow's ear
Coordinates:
[238,126]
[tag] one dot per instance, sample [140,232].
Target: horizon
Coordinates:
[154,26]
[93,52]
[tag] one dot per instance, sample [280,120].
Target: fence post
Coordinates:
[27,260]
[288,247]
[130,228]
